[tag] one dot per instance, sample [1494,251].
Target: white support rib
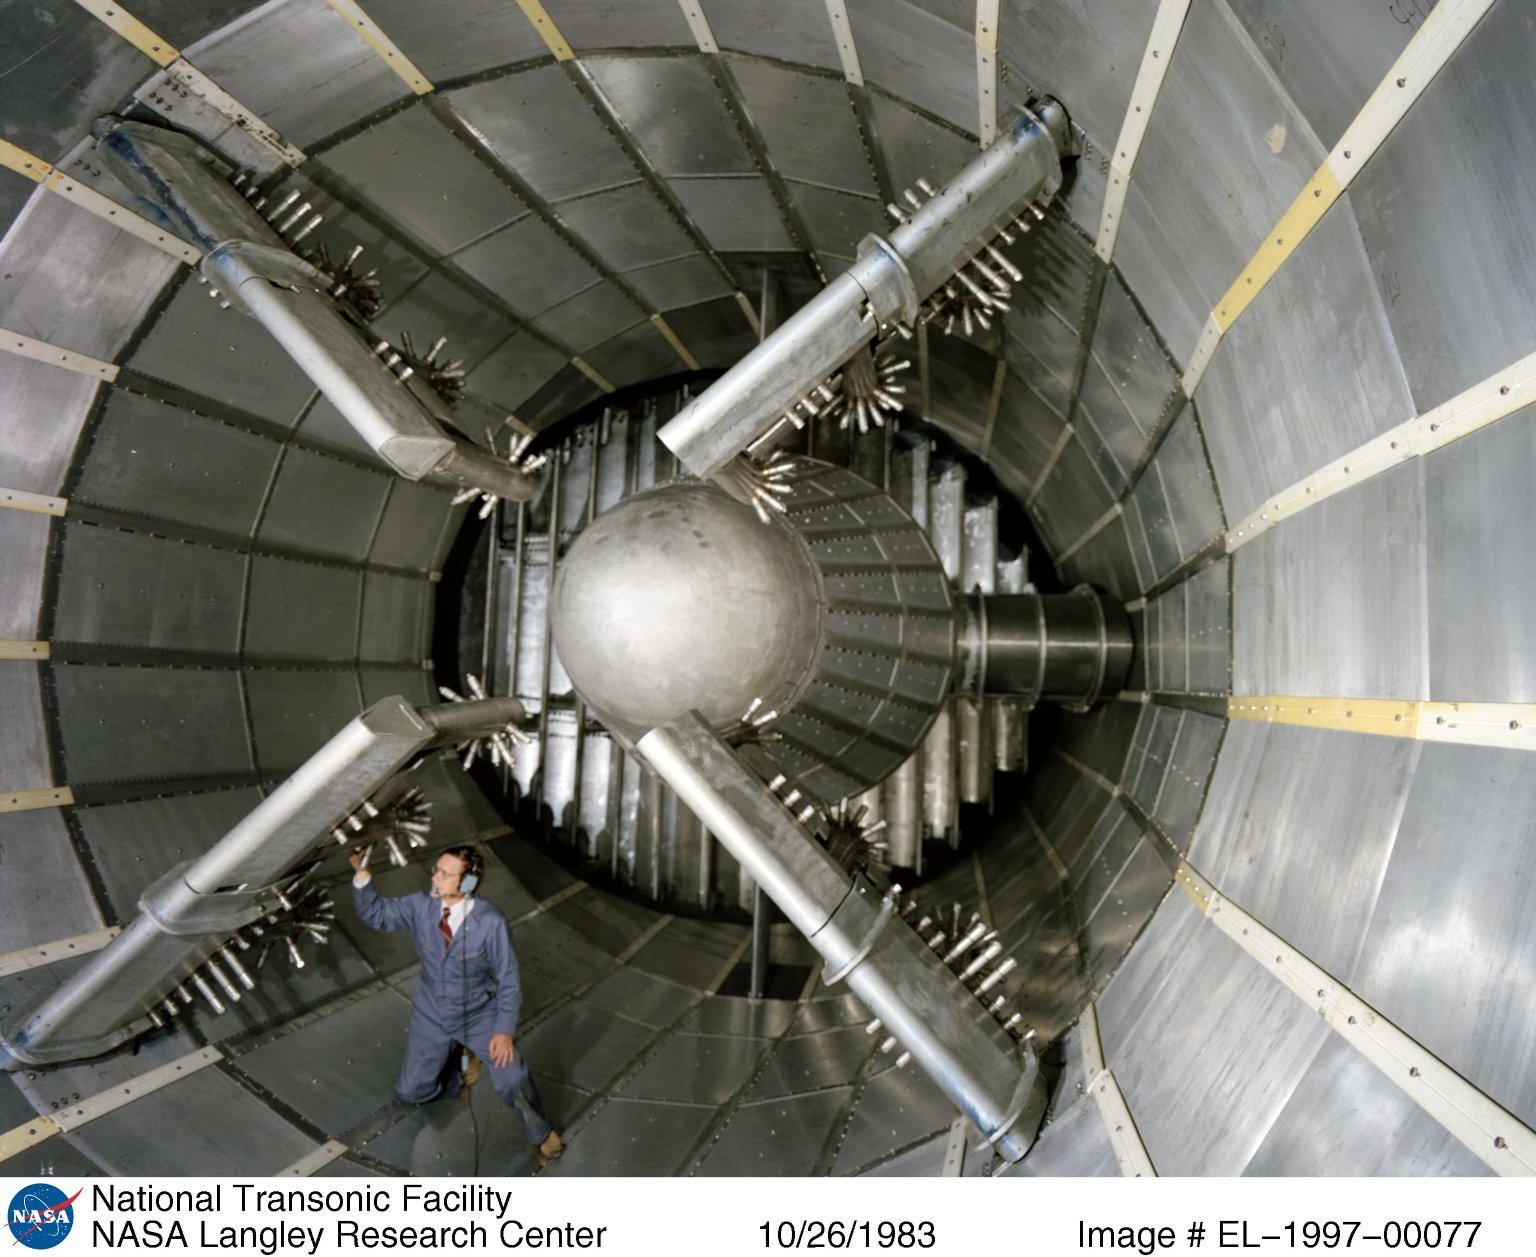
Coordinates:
[1149,83]
[60,949]
[56,356]
[1507,726]
[1488,1130]
[703,33]
[1130,1152]
[842,36]
[987,18]
[353,15]
[114,1098]
[313,1162]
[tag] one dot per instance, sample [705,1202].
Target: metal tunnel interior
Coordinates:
[1264,381]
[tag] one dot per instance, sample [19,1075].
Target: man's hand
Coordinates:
[355,858]
[502,1051]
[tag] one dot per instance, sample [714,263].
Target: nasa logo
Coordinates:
[41,1215]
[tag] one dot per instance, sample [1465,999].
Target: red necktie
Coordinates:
[443,929]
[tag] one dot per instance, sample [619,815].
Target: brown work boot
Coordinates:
[471,1074]
[547,1151]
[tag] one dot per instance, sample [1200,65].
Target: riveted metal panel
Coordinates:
[590,317]
[1135,366]
[1347,1117]
[918,57]
[324,505]
[584,1045]
[755,1143]
[156,460]
[1024,434]
[124,724]
[1308,852]
[45,408]
[897,1108]
[1097,863]
[53,899]
[1171,664]
[640,353]
[627,227]
[23,558]
[132,844]
[392,165]
[453,38]
[745,1018]
[714,331]
[539,123]
[222,355]
[1106,561]
[1112,436]
[1156,522]
[1298,382]
[735,215]
[65,69]
[1451,258]
[813,1062]
[364,1040]
[414,685]
[1192,505]
[202,1109]
[696,1069]
[133,589]
[1124,911]
[299,68]
[809,127]
[75,280]
[1155,736]
[1226,805]
[1327,566]
[1189,768]
[1086,52]
[635,1137]
[916,147]
[1073,499]
[603,24]
[1480,645]
[302,610]
[436,306]
[1193,1026]
[395,617]
[835,221]
[790,30]
[1101,738]
[1455,922]
[1196,212]
[294,713]
[1206,634]
[516,369]
[1075,1143]
[674,109]
[413,530]
[528,266]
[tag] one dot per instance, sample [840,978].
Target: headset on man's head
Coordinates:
[474,867]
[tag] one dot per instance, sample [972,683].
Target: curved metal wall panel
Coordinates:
[302,610]
[1193,507]
[1451,953]
[1073,498]
[1297,382]
[591,24]
[450,39]
[674,109]
[528,266]
[1207,1049]
[330,75]
[45,409]
[1322,607]
[1023,436]
[808,124]
[145,724]
[629,227]
[66,68]
[396,617]
[542,126]
[153,459]
[54,899]
[294,713]
[134,589]
[1480,644]
[1106,561]
[23,741]
[23,560]
[1346,1117]
[919,57]
[1452,256]
[223,355]
[1224,155]
[789,30]
[323,505]
[75,280]
[914,146]
[1329,57]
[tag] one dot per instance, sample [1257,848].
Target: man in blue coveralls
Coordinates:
[468,993]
